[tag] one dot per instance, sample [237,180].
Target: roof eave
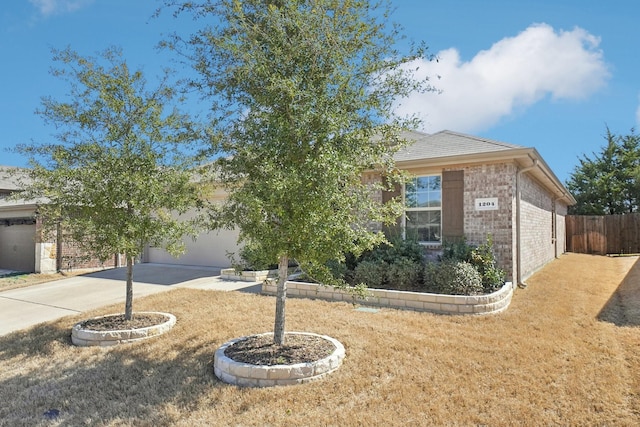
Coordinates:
[491,156]
[524,157]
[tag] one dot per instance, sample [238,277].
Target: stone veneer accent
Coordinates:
[86,337]
[248,375]
[493,303]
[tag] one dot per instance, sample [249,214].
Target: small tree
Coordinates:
[116,176]
[307,88]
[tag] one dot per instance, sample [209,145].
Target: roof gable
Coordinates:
[447,144]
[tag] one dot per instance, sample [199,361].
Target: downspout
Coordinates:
[554,237]
[519,281]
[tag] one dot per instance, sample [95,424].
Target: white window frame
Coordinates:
[421,209]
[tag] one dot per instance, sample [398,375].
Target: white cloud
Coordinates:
[55,7]
[513,74]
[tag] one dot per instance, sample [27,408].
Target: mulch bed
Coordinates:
[261,350]
[117,322]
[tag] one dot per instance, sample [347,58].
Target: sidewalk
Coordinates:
[24,307]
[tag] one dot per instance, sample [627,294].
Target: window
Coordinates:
[423,208]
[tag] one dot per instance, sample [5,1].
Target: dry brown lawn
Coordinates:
[29,279]
[567,352]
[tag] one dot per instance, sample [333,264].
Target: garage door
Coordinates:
[210,249]
[18,247]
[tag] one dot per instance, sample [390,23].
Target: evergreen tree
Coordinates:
[608,182]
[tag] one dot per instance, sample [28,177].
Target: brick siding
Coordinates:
[539,245]
[486,181]
[499,181]
[71,256]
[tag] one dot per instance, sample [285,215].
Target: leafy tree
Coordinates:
[306,88]
[608,182]
[116,177]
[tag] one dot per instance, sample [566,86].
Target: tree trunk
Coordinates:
[281,297]
[128,307]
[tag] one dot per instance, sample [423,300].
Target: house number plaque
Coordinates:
[487,204]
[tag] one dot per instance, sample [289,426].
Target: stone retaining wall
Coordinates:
[435,303]
[247,275]
[248,375]
[82,337]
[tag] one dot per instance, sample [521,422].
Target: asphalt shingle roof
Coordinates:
[9,177]
[446,144]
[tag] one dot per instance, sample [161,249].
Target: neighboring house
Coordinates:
[470,187]
[23,246]
[17,229]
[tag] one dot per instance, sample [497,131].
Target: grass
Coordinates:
[567,352]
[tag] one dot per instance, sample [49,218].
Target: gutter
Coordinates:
[519,281]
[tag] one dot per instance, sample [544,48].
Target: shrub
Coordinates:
[404,274]
[338,269]
[397,249]
[252,257]
[371,273]
[481,257]
[401,265]
[453,277]
[458,250]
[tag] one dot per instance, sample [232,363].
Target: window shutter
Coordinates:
[392,230]
[452,205]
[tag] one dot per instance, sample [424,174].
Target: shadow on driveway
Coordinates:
[158,274]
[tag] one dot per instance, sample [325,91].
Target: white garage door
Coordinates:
[18,247]
[210,249]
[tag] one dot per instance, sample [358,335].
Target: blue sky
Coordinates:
[549,74]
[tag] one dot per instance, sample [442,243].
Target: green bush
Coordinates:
[481,257]
[338,269]
[405,274]
[458,250]
[397,249]
[453,278]
[401,265]
[371,273]
[252,258]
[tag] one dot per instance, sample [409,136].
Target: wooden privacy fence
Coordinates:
[603,234]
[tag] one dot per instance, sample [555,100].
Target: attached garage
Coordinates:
[209,249]
[17,245]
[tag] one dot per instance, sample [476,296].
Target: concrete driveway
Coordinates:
[24,307]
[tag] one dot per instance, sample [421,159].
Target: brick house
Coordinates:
[469,187]
[463,187]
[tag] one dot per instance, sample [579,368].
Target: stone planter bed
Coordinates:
[247,276]
[248,375]
[84,337]
[436,303]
